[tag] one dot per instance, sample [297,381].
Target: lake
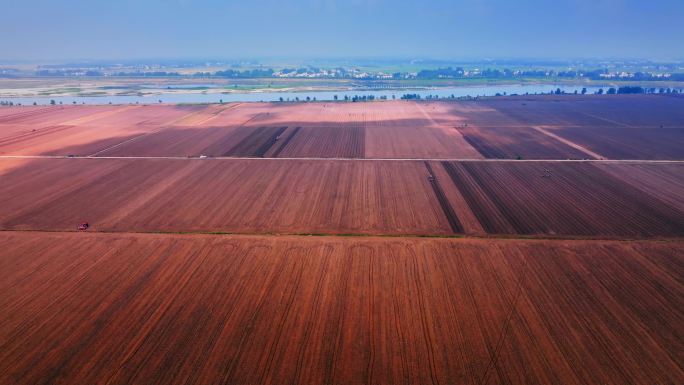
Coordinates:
[216,97]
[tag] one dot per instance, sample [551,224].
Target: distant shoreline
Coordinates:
[39,87]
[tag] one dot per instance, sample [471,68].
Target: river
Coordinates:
[216,97]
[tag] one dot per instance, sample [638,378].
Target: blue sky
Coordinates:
[79,29]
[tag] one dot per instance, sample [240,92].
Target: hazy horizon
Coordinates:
[331,29]
[352,60]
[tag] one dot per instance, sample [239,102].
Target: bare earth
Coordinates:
[343,243]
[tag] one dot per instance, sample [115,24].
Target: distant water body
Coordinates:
[216,97]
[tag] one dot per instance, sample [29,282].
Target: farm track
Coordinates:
[569,143]
[623,161]
[114,146]
[449,235]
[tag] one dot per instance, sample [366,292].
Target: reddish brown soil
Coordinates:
[161,309]
[333,130]
[349,130]
[38,116]
[617,127]
[81,130]
[415,130]
[618,142]
[517,143]
[590,110]
[641,127]
[292,196]
[665,181]
[322,142]
[127,307]
[362,197]
[574,198]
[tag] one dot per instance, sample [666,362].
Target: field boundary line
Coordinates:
[197,158]
[605,119]
[117,145]
[216,114]
[447,128]
[497,237]
[198,113]
[569,143]
[104,114]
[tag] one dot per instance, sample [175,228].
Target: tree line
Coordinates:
[426,74]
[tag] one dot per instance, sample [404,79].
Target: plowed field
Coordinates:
[288,196]
[160,309]
[360,197]
[563,198]
[360,243]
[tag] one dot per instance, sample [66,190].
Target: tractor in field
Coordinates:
[83,226]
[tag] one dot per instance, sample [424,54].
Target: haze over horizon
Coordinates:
[127,29]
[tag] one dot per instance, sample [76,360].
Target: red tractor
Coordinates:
[83,226]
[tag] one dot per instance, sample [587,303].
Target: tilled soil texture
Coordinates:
[611,126]
[312,130]
[531,127]
[375,244]
[568,198]
[199,309]
[342,197]
[224,195]
[82,130]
